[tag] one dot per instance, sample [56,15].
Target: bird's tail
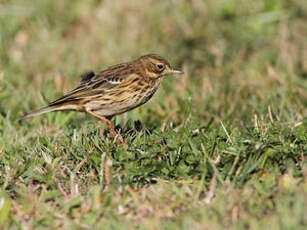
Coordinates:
[48,109]
[39,112]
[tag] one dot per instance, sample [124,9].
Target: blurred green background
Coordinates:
[237,115]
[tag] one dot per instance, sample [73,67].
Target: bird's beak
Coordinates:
[176,71]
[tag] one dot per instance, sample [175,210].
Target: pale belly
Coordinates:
[127,102]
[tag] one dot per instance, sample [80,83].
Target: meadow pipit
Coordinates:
[114,90]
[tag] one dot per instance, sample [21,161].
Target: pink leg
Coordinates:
[109,124]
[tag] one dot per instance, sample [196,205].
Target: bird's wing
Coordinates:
[93,84]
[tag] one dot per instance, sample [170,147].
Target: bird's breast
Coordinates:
[150,90]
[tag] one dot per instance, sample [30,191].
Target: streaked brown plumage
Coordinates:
[114,90]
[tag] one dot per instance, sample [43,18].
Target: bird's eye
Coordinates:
[160,67]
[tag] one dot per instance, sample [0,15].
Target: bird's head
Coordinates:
[156,66]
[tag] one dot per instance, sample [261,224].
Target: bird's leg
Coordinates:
[109,124]
[107,121]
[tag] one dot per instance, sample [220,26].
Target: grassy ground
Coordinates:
[222,147]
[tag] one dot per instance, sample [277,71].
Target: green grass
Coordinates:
[222,147]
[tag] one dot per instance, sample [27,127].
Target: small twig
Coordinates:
[73,186]
[80,165]
[234,165]
[256,122]
[297,124]
[107,173]
[225,130]
[62,190]
[211,193]
[270,114]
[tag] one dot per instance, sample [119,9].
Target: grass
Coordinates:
[223,147]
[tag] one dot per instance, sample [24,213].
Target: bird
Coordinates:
[114,90]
